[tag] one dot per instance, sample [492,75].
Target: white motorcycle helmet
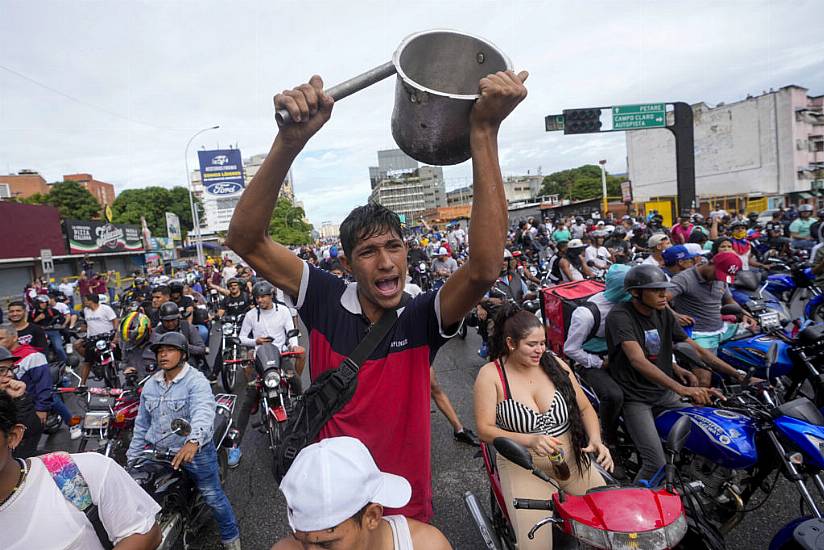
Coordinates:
[104,298]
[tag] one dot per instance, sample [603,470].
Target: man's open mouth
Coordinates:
[387,286]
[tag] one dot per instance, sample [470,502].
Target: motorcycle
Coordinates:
[421,277]
[109,417]
[231,350]
[796,355]
[797,283]
[59,372]
[279,389]
[104,366]
[742,444]
[213,300]
[184,512]
[660,517]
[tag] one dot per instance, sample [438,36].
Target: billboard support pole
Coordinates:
[201,260]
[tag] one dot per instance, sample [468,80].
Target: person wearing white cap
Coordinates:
[335,495]
[656,245]
[444,265]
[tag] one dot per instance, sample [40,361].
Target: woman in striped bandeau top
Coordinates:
[530,396]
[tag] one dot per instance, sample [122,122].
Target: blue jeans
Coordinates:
[203,471]
[56,340]
[60,408]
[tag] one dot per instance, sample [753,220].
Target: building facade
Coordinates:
[22,185]
[329,230]
[391,162]
[410,194]
[768,145]
[100,190]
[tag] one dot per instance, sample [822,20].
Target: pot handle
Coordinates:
[347,88]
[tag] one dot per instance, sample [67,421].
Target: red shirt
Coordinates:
[389,412]
[681,235]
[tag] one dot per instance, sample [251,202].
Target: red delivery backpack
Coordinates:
[557,304]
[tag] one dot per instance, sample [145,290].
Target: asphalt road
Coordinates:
[260,507]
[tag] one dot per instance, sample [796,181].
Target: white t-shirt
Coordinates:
[62,308]
[229,272]
[67,288]
[100,320]
[650,260]
[39,516]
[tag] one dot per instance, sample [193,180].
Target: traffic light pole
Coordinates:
[618,118]
[683,130]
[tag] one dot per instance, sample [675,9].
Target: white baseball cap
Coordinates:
[330,481]
[442,252]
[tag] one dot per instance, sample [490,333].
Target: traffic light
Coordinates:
[582,121]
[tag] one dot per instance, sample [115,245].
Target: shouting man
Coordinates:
[392,395]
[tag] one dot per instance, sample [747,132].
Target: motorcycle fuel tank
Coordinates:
[745,353]
[725,437]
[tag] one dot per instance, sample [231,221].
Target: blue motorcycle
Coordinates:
[743,444]
[798,357]
[798,280]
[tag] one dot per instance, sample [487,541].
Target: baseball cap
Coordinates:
[442,252]
[676,253]
[330,481]
[656,239]
[695,249]
[727,264]
[575,243]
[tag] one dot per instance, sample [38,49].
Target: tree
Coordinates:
[72,200]
[580,183]
[287,225]
[152,203]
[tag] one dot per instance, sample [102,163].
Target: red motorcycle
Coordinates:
[605,517]
[110,416]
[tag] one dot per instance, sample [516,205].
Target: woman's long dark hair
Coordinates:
[717,243]
[513,322]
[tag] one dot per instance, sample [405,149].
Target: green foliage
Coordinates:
[71,199]
[287,225]
[580,183]
[152,203]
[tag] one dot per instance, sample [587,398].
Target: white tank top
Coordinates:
[401,536]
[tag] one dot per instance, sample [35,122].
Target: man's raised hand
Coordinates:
[500,93]
[309,108]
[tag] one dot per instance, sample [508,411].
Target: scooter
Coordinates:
[606,517]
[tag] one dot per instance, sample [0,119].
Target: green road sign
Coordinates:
[632,117]
[554,122]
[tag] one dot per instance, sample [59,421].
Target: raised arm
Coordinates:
[500,94]
[248,233]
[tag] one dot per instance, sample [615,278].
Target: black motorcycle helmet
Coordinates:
[645,276]
[169,311]
[173,339]
[263,288]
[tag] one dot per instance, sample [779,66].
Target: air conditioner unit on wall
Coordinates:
[5,191]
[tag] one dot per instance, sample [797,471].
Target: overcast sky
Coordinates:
[121,86]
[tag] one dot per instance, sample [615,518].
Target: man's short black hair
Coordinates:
[367,221]
[17,303]
[8,412]
[162,289]
[92,298]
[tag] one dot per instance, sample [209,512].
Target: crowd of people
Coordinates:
[366,482]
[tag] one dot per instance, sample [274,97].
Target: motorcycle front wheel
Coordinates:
[222,464]
[111,377]
[273,427]
[228,372]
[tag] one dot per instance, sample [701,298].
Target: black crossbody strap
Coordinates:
[374,337]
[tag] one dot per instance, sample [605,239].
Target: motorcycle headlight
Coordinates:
[271,379]
[817,441]
[101,345]
[228,329]
[664,537]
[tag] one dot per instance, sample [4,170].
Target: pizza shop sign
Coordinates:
[94,236]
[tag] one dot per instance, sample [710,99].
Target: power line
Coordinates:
[79,101]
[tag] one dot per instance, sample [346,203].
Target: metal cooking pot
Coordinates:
[438,74]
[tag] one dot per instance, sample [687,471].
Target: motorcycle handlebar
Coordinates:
[531,504]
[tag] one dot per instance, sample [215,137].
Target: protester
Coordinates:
[337,315]
[100,319]
[530,396]
[28,334]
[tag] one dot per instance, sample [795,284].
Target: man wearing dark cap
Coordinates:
[677,258]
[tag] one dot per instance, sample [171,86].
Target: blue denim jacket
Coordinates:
[189,396]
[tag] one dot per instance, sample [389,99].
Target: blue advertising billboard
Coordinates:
[221,171]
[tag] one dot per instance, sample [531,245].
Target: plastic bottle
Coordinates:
[559,465]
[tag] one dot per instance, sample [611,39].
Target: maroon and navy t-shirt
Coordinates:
[389,412]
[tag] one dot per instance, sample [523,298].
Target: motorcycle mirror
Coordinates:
[678,434]
[514,452]
[732,309]
[772,354]
[181,427]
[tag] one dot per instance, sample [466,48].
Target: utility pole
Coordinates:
[603,164]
